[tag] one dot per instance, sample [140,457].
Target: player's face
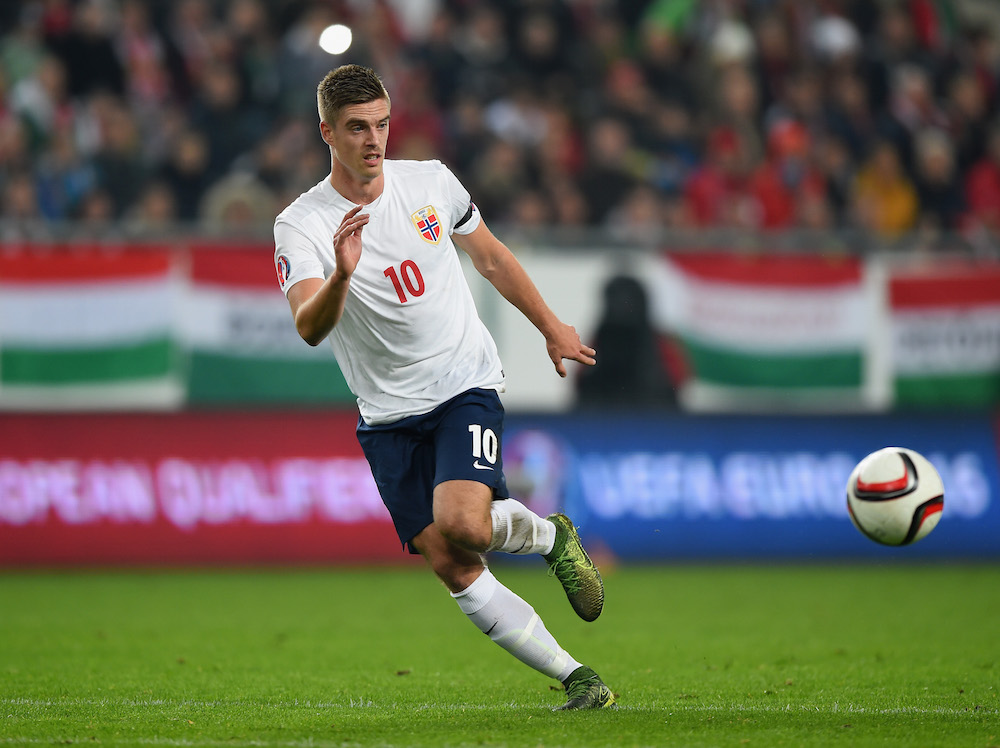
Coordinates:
[358,139]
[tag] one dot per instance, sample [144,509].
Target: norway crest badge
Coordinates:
[427,224]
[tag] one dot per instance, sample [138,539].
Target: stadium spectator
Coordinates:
[981,49]
[255,45]
[912,109]
[238,204]
[118,159]
[639,218]
[717,192]
[561,150]
[833,159]
[15,153]
[87,51]
[40,100]
[894,44]
[849,116]
[484,52]
[939,192]
[613,167]
[627,98]
[154,214]
[776,59]
[143,55]
[63,177]
[19,201]
[674,147]
[186,172]
[23,48]
[569,206]
[785,178]
[737,107]
[437,53]
[542,45]
[883,198]
[97,215]
[499,175]
[662,61]
[968,117]
[218,113]
[190,30]
[418,128]
[982,187]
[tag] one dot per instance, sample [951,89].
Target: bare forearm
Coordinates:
[497,264]
[317,310]
[512,281]
[507,275]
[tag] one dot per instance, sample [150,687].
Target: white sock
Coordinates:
[513,624]
[517,529]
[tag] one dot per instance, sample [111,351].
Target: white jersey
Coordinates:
[410,337]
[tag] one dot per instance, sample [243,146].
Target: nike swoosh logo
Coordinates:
[477,466]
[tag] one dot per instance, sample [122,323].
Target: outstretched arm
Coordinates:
[497,264]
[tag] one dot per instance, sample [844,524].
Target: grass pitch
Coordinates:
[700,656]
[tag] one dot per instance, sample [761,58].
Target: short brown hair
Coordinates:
[347,85]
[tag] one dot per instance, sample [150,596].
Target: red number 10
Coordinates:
[412,279]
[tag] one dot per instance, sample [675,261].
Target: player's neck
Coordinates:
[358,191]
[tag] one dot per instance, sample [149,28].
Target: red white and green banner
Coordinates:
[766,330]
[945,324]
[238,330]
[89,329]
[153,327]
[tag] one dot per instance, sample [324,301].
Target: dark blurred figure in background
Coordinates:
[633,371]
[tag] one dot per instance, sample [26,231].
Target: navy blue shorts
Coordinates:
[458,440]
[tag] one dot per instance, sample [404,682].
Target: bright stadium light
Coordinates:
[335,39]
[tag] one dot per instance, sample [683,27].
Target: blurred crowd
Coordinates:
[636,117]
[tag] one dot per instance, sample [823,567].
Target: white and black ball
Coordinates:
[895,496]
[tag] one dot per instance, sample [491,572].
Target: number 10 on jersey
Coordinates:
[407,280]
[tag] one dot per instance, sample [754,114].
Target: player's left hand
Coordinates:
[565,344]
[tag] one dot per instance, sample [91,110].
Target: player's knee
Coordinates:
[464,533]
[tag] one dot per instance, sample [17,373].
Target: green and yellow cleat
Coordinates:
[571,565]
[586,690]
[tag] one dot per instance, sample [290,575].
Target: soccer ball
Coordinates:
[895,496]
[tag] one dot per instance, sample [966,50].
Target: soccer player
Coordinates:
[367,259]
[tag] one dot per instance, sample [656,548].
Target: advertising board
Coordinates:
[681,487]
[293,486]
[188,488]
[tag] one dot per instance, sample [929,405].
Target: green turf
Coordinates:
[700,656]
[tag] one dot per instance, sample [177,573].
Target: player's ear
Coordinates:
[326,132]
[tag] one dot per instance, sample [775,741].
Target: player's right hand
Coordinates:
[347,241]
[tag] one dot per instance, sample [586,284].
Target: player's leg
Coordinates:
[506,618]
[406,465]
[467,442]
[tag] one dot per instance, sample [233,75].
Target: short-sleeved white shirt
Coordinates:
[410,337]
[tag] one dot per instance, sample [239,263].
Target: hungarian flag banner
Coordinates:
[238,330]
[769,330]
[945,322]
[88,327]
